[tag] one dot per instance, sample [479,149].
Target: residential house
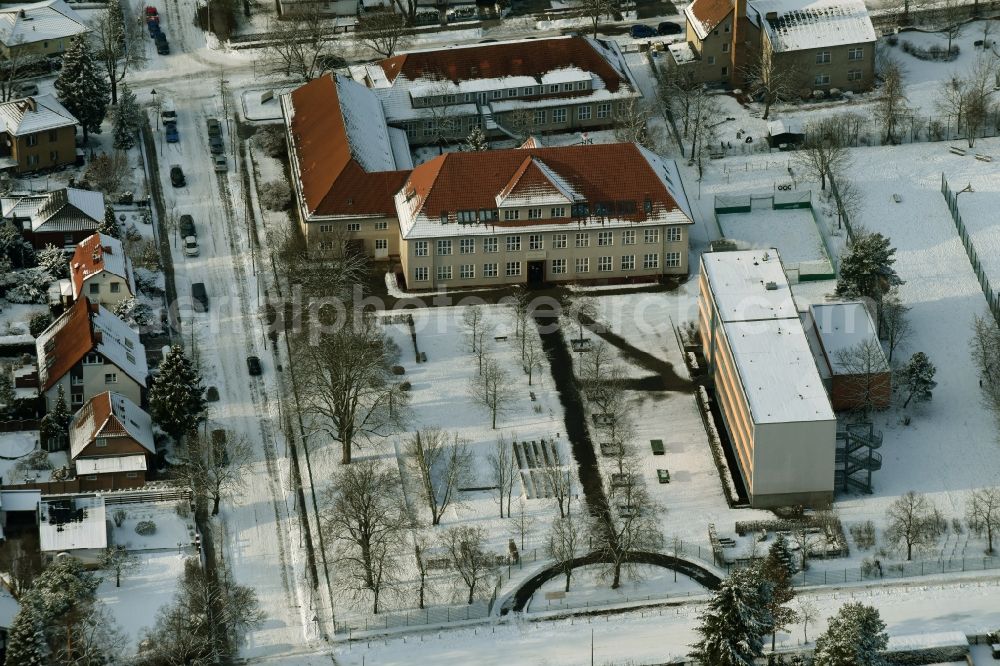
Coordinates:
[775,409]
[38,28]
[36,133]
[101,271]
[512,88]
[88,351]
[111,443]
[75,525]
[62,218]
[829,44]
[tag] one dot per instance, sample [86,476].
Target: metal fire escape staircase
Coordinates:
[857,458]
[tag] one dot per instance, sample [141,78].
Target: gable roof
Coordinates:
[68,209]
[622,175]
[110,414]
[529,58]
[83,328]
[34,114]
[798,25]
[342,149]
[38,22]
[96,254]
[704,15]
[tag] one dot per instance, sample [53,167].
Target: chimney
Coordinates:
[94,307]
[30,104]
[98,337]
[771,16]
[22,14]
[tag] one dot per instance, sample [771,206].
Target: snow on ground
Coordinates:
[173,531]
[793,232]
[589,587]
[142,593]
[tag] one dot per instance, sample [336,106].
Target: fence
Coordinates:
[992,297]
[875,570]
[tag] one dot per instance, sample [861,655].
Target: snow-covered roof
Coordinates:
[739,282]
[97,254]
[785,126]
[78,523]
[704,15]
[121,345]
[794,25]
[842,326]
[110,465]
[365,125]
[400,148]
[110,414]
[682,53]
[38,22]
[67,209]
[34,114]
[20,500]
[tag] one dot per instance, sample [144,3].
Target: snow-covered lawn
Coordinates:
[143,591]
[793,232]
[589,587]
[173,532]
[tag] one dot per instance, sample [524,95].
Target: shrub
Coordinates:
[38,323]
[863,534]
[275,195]
[145,528]
[271,140]
[119,517]
[34,460]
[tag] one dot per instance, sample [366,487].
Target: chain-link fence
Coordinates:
[874,570]
[992,297]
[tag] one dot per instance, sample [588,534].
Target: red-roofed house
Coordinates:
[111,443]
[100,271]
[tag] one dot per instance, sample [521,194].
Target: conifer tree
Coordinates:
[776,570]
[918,378]
[866,269]
[733,626]
[109,225]
[82,86]
[855,636]
[126,119]
[477,141]
[177,398]
[26,644]
[53,259]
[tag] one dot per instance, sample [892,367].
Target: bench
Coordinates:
[984,158]
[955,150]
[897,198]
[663,475]
[500,338]
[657,446]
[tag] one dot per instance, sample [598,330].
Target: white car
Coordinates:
[220,162]
[191,246]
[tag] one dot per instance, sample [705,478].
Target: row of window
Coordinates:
[583,112]
[505,93]
[621,208]
[35,160]
[32,139]
[445,246]
[556,267]
[852,75]
[823,57]
[95,287]
[128,475]
[381,225]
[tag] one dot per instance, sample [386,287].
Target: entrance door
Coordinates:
[482,98]
[536,273]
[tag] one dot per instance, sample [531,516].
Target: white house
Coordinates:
[101,271]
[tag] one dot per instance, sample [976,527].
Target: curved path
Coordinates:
[519,599]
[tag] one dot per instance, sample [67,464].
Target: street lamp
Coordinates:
[155,107]
[967,188]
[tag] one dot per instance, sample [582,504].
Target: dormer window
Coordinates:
[444,217]
[92,359]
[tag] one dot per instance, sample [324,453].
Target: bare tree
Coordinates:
[824,152]
[983,514]
[443,464]
[534,355]
[848,199]
[346,380]
[519,122]
[522,523]
[107,172]
[705,111]
[120,560]
[595,10]
[912,521]
[558,480]
[466,549]
[895,325]
[978,88]
[218,467]
[365,516]
[677,550]
[864,376]
[582,310]
[985,349]
[891,106]
[631,123]
[504,468]
[807,612]
[519,302]
[303,45]
[771,80]
[115,50]
[565,544]
[420,546]
[21,561]
[382,31]
[677,91]
[951,20]
[473,320]
[14,67]
[492,389]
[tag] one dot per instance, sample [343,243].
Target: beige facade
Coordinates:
[376,237]
[714,61]
[106,288]
[850,67]
[87,380]
[40,48]
[43,150]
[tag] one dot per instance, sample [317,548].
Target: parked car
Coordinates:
[668,28]
[200,297]
[254,367]
[171,131]
[221,163]
[214,127]
[162,46]
[154,28]
[151,11]
[187,226]
[177,176]
[25,89]
[215,145]
[640,31]
[191,246]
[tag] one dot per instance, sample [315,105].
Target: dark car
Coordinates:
[214,127]
[171,132]
[215,145]
[668,28]
[253,366]
[177,176]
[641,31]
[154,29]
[200,297]
[162,47]
[187,226]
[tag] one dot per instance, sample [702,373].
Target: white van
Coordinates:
[168,112]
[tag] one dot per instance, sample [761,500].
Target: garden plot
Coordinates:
[792,231]
[172,531]
[143,592]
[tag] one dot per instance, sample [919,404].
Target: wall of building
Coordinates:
[715,51]
[93,384]
[113,481]
[52,148]
[838,69]
[115,446]
[794,463]
[40,48]
[845,390]
[106,288]
[366,230]
[65,239]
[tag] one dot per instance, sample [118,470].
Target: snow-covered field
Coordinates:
[150,586]
[173,531]
[793,232]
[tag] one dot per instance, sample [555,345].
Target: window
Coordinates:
[443,247]
[628,237]
[673,234]
[420,248]
[535,242]
[32,160]
[90,477]
[101,442]
[711,60]
[513,268]
[725,47]
[582,264]
[489,270]
[672,259]
[725,28]
[420,274]
[558,266]
[53,135]
[534,213]
[381,243]
[325,228]
[467,271]
[822,79]
[95,288]
[53,155]
[444,217]
[326,245]
[605,238]
[129,344]
[511,214]
[488,214]
[92,359]
[354,226]
[528,91]
[497,94]
[558,115]
[131,475]
[583,112]
[725,71]
[512,92]
[513,243]
[467,246]
[651,236]
[381,226]
[444,272]
[490,244]
[580,209]
[110,377]
[583,239]
[554,88]
[428,128]
[854,75]
[558,241]
[32,139]
[823,58]
[604,109]
[628,262]
[856,54]
[604,264]
[558,211]
[466,216]
[581,85]
[650,261]
[541,117]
